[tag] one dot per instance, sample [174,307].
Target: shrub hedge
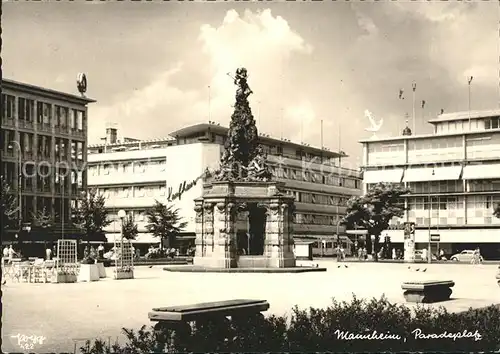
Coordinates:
[358,326]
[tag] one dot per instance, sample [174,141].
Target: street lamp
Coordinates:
[19,180]
[121,214]
[63,204]
[429,257]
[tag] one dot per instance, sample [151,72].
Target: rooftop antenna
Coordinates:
[414,88]
[469,80]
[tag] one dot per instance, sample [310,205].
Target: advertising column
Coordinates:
[409,242]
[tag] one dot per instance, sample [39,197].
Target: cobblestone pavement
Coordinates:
[65,312]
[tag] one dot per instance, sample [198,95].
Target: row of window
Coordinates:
[137,192]
[452,203]
[316,219]
[127,167]
[460,126]
[63,116]
[451,186]
[436,187]
[492,123]
[298,174]
[316,198]
[62,147]
[434,144]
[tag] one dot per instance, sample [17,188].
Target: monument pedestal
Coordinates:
[244,225]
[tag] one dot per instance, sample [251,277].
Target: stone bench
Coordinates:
[428,291]
[177,318]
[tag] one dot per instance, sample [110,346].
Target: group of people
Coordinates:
[160,252]
[9,254]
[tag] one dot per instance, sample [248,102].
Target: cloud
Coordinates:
[258,41]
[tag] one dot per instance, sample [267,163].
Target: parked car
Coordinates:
[464,256]
[418,256]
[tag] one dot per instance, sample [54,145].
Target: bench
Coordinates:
[427,291]
[176,319]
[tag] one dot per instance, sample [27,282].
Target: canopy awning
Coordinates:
[481,171]
[425,174]
[390,176]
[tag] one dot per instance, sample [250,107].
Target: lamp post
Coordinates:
[19,180]
[62,205]
[121,214]
[430,219]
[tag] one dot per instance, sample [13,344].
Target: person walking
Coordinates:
[48,253]
[476,257]
[424,254]
[12,253]
[5,254]
[100,251]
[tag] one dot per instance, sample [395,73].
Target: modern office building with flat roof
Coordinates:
[44,137]
[454,177]
[132,174]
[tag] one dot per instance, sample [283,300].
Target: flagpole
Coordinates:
[340,158]
[301,130]
[209,104]
[281,124]
[321,132]
[469,79]
[423,111]
[414,87]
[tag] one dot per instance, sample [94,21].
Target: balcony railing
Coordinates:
[77,132]
[25,124]
[10,122]
[44,127]
[8,153]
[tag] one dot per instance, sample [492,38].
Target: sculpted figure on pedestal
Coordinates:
[243,159]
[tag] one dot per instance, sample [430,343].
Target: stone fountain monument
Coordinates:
[243,219]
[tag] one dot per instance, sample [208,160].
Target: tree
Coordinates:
[91,215]
[496,212]
[164,222]
[10,206]
[374,210]
[43,221]
[129,228]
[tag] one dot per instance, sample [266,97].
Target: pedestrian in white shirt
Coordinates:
[424,254]
[5,254]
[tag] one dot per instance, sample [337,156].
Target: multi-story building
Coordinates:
[132,174]
[44,148]
[454,178]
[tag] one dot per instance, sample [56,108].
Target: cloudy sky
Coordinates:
[149,65]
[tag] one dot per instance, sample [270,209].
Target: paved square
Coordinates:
[65,312]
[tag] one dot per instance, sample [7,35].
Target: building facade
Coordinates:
[454,178]
[132,174]
[44,148]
